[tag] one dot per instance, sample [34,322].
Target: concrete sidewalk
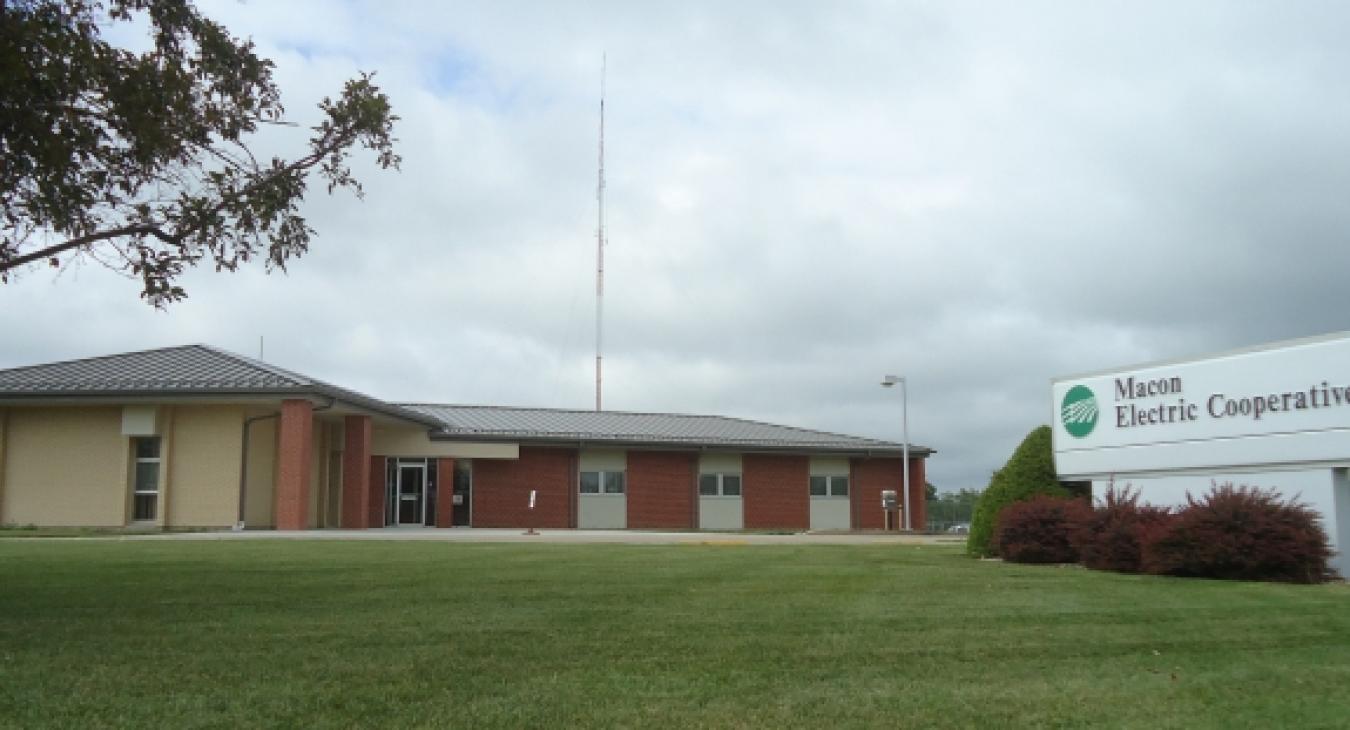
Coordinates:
[517,535]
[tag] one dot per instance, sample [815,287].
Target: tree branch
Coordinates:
[85,240]
[333,142]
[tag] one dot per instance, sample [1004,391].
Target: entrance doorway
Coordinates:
[410,493]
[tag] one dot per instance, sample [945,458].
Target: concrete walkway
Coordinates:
[517,535]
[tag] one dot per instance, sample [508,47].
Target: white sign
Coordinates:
[532,499]
[1283,404]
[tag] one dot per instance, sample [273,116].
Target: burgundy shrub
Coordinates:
[1038,530]
[1241,533]
[1110,537]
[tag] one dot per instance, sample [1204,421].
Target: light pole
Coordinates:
[887,382]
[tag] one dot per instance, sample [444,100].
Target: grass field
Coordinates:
[346,634]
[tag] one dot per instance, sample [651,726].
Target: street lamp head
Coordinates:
[890,380]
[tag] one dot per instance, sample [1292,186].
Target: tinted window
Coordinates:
[731,485]
[818,488]
[839,486]
[707,485]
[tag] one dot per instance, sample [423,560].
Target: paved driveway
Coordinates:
[466,534]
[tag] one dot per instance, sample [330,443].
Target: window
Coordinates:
[145,478]
[820,486]
[829,486]
[719,485]
[838,486]
[598,482]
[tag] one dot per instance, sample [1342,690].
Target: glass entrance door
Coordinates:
[412,493]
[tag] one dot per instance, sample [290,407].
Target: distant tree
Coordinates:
[950,508]
[1030,471]
[140,159]
[929,491]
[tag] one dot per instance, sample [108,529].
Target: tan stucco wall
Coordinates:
[65,466]
[603,460]
[714,462]
[824,466]
[260,504]
[413,443]
[203,461]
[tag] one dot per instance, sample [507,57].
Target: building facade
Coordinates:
[197,437]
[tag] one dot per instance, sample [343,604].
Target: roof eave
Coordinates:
[574,440]
[315,392]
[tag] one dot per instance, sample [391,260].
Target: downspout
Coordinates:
[243,466]
[243,458]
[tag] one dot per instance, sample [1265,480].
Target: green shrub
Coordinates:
[1030,471]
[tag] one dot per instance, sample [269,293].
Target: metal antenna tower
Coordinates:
[600,246]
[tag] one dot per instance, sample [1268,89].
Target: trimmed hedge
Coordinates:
[1030,471]
[1039,529]
[1241,533]
[1111,536]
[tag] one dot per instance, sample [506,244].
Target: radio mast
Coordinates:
[600,246]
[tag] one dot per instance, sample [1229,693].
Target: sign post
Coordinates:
[531,530]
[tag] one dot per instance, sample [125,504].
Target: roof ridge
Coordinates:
[485,406]
[95,358]
[294,377]
[797,429]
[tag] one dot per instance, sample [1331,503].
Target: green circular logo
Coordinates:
[1079,411]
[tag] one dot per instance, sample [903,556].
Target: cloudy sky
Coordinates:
[802,198]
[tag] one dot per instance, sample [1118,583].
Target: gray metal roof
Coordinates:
[202,370]
[185,370]
[617,427]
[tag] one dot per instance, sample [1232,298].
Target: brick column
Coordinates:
[918,505]
[445,491]
[295,438]
[356,476]
[375,494]
[775,490]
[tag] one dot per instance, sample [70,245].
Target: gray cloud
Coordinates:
[803,197]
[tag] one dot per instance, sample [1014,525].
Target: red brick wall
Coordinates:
[375,495]
[445,490]
[918,503]
[661,489]
[870,476]
[356,476]
[294,451]
[501,489]
[775,491]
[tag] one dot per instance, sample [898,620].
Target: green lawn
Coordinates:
[345,634]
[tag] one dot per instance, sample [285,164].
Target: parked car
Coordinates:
[960,528]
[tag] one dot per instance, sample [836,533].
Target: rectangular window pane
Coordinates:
[707,485]
[818,486]
[731,485]
[613,482]
[144,506]
[839,486]
[147,448]
[590,482]
[147,477]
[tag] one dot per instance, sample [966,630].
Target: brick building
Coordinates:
[195,436]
